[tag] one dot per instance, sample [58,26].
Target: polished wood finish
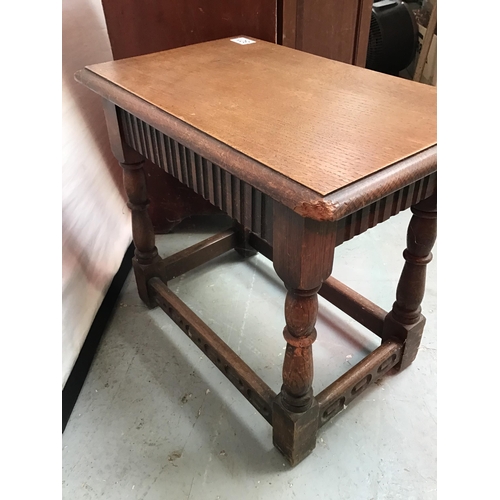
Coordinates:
[279,214]
[336,29]
[303,258]
[301,199]
[406,322]
[245,202]
[146,256]
[250,101]
[137,28]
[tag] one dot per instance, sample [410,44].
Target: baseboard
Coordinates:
[83,363]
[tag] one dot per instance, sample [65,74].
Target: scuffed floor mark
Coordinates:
[205,474]
[190,489]
[186,398]
[174,456]
[212,446]
[189,396]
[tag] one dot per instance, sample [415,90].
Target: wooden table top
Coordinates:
[321,123]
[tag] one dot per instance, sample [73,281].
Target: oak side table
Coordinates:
[303,153]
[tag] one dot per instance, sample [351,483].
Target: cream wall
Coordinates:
[95,227]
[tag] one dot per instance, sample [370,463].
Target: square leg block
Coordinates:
[411,335]
[294,434]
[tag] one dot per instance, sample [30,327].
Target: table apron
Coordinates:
[243,202]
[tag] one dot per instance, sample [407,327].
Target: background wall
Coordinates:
[95,219]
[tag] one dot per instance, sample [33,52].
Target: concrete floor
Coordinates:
[156,420]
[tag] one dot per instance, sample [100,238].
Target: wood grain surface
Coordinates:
[321,123]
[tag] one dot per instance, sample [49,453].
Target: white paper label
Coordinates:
[242,40]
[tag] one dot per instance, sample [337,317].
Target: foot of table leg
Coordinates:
[243,247]
[146,254]
[294,434]
[405,322]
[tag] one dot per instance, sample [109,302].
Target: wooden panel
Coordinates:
[362,32]
[289,23]
[137,27]
[319,122]
[327,29]
[336,29]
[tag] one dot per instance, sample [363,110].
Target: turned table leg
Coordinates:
[303,258]
[405,322]
[146,254]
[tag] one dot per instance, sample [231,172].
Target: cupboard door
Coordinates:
[336,29]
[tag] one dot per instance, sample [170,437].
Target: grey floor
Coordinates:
[156,420]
